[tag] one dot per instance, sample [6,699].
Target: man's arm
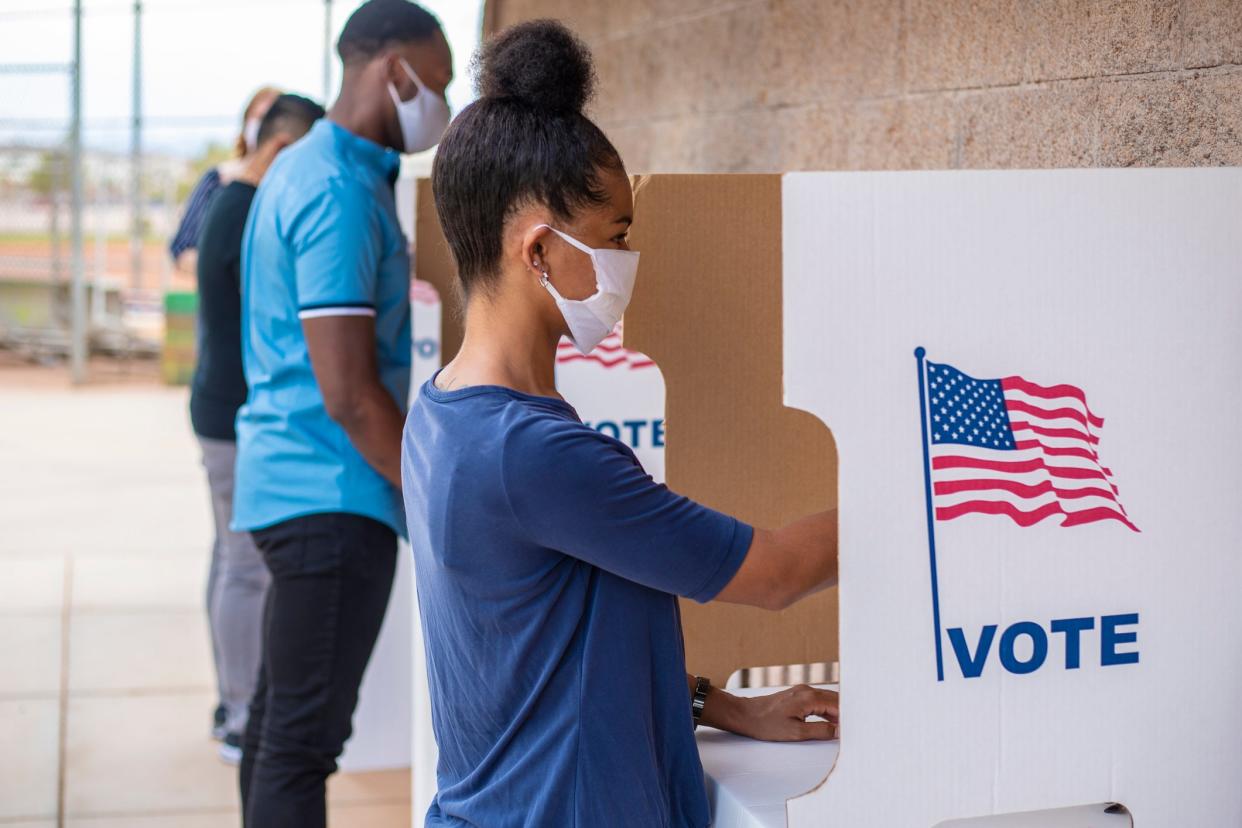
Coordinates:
[785,565]
[342,355]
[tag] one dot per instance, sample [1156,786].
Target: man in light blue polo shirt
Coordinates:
[326,347]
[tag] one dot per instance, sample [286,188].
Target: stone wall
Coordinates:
[775,85]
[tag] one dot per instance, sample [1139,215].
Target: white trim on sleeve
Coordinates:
[345,310]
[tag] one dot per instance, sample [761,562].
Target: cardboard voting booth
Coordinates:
[708,314]
[1048,615]
[1019,389]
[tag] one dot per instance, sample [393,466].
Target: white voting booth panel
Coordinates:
[425,320]
[1016,633]
[382,720]
[387,701]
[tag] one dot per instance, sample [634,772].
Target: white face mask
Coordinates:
[250,134]
[593,318]
[423,117]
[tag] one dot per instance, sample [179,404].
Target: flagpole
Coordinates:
[919,354]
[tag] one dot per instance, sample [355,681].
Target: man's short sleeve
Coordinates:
[584,494]
[336,242]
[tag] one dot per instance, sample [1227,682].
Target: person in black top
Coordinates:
[238,578]
[184,244]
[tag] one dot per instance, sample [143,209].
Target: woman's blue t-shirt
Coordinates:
[548,564]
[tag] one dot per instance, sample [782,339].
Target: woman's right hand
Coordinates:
[777,717]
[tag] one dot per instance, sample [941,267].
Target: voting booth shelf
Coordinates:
[1018,388]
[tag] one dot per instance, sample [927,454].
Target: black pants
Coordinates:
[331,578]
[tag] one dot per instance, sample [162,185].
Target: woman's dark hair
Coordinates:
[524,140]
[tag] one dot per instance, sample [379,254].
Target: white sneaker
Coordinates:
[231,749]
[218,718]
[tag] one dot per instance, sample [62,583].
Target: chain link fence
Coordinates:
[125,265]
[34,212]
[125,276]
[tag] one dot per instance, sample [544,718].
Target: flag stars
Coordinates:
[966,410]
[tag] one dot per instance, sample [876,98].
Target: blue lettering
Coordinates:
[1112,635]
[1072,627]
[972,665]
[634,431]
[1110,638]
[1039,644]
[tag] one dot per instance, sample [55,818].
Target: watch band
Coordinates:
[702,685]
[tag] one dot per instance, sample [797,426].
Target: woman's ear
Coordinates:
[532,248]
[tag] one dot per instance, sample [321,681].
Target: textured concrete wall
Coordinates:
[775,85]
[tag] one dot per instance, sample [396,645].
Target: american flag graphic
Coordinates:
[608,353]
[1016,448]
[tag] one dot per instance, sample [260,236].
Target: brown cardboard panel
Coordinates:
[434,263]
[707,309]
[492,18]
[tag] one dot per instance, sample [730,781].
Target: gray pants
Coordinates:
[236,587]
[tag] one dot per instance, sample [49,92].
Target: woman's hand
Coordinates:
[776,717]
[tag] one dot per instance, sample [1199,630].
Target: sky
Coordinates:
[202,59]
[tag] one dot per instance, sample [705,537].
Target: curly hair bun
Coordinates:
[540,64]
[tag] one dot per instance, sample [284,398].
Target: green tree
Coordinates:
[49,176]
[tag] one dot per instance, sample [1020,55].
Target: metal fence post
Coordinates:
[327,51]
[78,352]
[136,241]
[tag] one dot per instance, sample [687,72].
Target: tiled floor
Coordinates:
[105,677]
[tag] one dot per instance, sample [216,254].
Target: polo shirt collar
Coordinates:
[384,162]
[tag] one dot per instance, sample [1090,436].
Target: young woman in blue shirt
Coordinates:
[548,562]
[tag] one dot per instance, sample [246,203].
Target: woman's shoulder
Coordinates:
[550,433]
[494,409]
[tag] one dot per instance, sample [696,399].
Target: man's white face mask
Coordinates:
[423,117]
[593,318]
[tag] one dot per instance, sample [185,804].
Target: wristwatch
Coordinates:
[702,685]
